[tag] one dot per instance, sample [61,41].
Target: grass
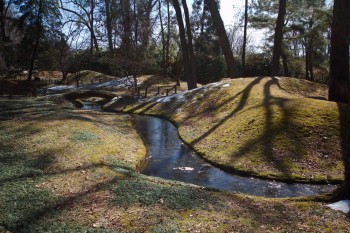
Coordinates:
[264,127]
[67,170]
[49,153]
[145,193]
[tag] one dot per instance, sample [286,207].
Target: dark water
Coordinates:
[169,158]
[88,105]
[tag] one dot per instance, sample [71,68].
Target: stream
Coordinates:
[168,157]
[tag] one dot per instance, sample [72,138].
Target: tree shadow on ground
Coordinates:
[271,129]
[244,97]
[23,203]
[22,168]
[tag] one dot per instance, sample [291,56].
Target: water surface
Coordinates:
[169,158]
[88,105]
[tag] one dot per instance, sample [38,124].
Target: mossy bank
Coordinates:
[274,128]
[67,170]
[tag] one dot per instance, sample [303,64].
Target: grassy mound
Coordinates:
[50,154]
[264,127]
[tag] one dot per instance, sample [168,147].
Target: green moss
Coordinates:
[21,203]
[83,136]
[261,126]
[49,183]
[131,192]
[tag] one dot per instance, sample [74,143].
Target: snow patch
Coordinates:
[343,206]
[181,97]
[122,82]
[184,168]
[62,88]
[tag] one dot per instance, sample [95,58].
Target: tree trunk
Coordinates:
[36,46]
[221,32]
[109,24]
[136,29]
[168,35]
[163,36]
[3,38]
[192,82]
[339,56]
[92,31]
[146,24]
[183,41]
[307,74]
[339,77]
[277,46]
[285,64]
[346,184]
[204,14]
[2,20]
[244,37]
[126,35]
[311,68]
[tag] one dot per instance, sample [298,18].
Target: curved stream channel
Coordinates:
[169,158]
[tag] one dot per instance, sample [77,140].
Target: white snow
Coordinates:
[184,168]
[181,97]
[122,82]
[62,88]
[343,206]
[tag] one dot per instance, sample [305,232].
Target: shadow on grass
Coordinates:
[24,203]
[244,97]
[271,129]
[127,191]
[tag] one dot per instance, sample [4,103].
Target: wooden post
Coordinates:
[145,92]
[175,88]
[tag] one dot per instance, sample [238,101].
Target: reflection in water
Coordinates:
[88,105]
[169,158]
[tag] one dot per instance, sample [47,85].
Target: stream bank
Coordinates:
[169,158]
